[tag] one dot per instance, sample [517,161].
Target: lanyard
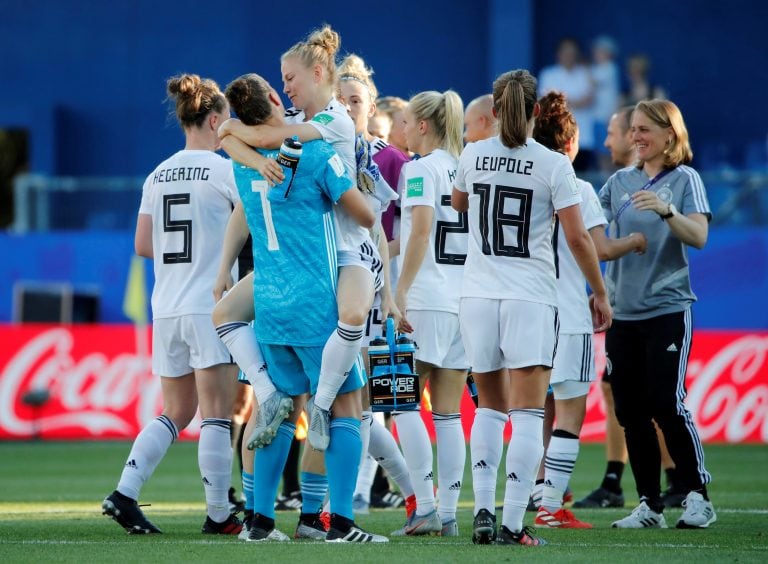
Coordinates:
[648,185]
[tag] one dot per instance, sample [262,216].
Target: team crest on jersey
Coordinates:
[415,187]
[323,118]
[664,193]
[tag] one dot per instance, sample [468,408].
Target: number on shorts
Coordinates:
[262,188]
[182,225]
[492,224]
[442,229]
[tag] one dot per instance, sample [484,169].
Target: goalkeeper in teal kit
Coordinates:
[294,296]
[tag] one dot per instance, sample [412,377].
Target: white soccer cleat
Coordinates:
[699,513]
[319,431]
[270,415]
[642,517]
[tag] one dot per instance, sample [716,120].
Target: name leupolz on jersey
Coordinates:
[503,164]
[181,173]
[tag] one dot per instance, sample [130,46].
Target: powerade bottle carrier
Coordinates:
[394,384]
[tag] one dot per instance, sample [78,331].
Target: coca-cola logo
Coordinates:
[94,394]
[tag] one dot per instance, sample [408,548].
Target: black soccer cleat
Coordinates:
[600,498]
[525,537]
[484,527]
[231,526]
[126,512]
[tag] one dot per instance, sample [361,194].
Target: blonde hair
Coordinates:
[445,112]
[514,97]
[320,48]
[666,114]
[389,106]
[353,68]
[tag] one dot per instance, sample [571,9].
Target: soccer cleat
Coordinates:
[231,526]
[526,537]
[484,527]
[673,497]
[268,418]
[345,530]
[310,526]
[387,500]
[325,519]
[642,517]
[450,528]
[290,502]
[410,505]
[257,534]
[126,512]
[247,522]
[699,513]
[235,505]
[417,525]
[561,519]
[359,505]
[600,498]
[319,432]
[567,495]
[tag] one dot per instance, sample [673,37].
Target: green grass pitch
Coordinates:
[50,496]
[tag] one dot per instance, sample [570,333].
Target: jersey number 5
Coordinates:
[183,225]
[498,219]
[442,229]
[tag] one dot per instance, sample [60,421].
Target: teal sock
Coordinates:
[313,490]
[248,490]
[268,469]
[342,461]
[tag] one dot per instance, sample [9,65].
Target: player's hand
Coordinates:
[222,284]
[641,244]
[389,309]
[401,302]
[602,313]
[648,200]
[271,171]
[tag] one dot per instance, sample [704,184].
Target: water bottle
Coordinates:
[472,387]
[288,158]
[378,354]
[405,351]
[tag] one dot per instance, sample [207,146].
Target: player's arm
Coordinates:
[388,305]
[459,200]
[244,154]
[142,241]
[583,249]
[267,136]
[234,239]
[611,249]
[416,248]
[355,205]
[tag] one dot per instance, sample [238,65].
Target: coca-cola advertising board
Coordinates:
[96,382]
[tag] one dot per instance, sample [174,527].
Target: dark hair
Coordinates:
[625,115]
[249,97]
[555,124]
[195,98]
[514,96]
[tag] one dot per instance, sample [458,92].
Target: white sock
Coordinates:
[558,467]
[341,350]
[363,485]
[523,458]
[384,450]
[214,457]
[417,450]
[147,451]
[240,340]
[486,443]
[451,456]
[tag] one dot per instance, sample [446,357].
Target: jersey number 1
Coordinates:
[172,225]
[492,225]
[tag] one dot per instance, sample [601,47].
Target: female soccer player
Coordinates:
[574,367]
[185,205]
[433,246]
[648,347]
[512,186]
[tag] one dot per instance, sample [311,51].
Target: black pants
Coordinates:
[647,361]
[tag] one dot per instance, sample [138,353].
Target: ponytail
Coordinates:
[514,97]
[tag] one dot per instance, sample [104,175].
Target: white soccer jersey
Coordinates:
[190,198]
[428,182]
[336,127]
[572,300]
[513,194]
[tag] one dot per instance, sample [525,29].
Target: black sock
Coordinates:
[341,523]
[612,478]
[654,504]
[291,469]
[262,522]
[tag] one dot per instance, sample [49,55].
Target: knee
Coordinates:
[181,415]
[353,314]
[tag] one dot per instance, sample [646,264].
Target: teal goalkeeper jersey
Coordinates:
[294,251]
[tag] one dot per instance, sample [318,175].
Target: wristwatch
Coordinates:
[671,211]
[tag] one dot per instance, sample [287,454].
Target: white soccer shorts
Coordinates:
[182,344]
[438,338]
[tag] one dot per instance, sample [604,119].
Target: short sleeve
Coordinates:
[695,195]
[565,187]
[418,186]
[461,171]
[605,199]
[145,207]
[332,127]
[332,175]
[591,210]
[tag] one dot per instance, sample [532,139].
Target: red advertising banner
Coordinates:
[98,384]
